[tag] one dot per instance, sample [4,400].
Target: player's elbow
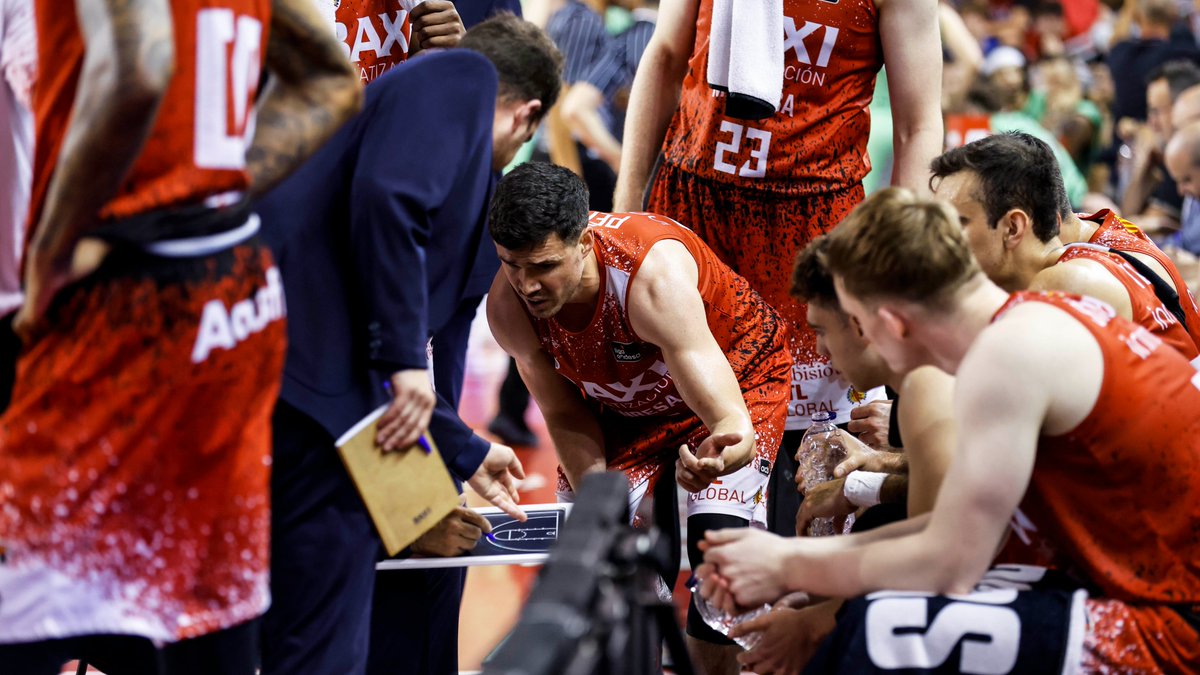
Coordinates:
[909,131]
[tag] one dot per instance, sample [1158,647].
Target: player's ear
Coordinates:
[585,240]
[894,322]
[529,113]
[1015,226]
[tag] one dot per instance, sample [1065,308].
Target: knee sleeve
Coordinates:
[697,525]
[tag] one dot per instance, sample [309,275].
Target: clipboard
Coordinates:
[406,492]
[511,542]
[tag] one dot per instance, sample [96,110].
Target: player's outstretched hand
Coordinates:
[435,24]
[789,639]
[454,535]
[826,500]
[408,416]
[696,471]
[750,561]
[870,423]
[496,480]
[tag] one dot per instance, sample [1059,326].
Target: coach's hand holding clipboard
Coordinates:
[406,491]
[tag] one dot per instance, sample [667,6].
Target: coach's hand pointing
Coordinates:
[496,480]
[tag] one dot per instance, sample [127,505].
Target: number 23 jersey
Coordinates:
[817,141]
[197,146]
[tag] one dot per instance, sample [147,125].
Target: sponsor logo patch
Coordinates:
[626,352]
[764,467]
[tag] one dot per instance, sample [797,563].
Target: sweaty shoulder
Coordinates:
[663,293]
[926,382]
[1082,276]
[668,259]
[1041,351]
[927,394]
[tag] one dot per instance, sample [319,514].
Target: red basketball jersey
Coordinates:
[1121,235]
[374,34]
[197,147]
[612,365]
[817,141]
[1148,311]
[1117,499]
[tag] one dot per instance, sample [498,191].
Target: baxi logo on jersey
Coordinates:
[620,392]
[650,392]
[796,42]
[378,35]
[224,329]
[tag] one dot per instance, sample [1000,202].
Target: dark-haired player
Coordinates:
[1010,199]
[1076,428]
[640,347]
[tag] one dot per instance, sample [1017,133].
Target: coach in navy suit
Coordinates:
[379,237]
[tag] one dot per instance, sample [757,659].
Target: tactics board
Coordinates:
[510,542]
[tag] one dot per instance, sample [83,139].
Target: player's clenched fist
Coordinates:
[435,24]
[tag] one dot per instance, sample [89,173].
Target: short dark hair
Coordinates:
[1015,171]
[537,200]
[1180,74]
[895,244]
[526,60]
[811,281]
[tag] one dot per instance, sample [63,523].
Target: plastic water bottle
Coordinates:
[722,621]
[820,453]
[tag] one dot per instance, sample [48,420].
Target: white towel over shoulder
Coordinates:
[745,50]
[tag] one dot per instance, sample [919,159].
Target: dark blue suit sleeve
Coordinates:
[409,161]
[461,449]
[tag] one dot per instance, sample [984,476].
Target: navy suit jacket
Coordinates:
[378,237]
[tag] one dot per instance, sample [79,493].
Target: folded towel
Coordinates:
[745,56]
[718,44]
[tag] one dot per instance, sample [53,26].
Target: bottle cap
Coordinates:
[823,417]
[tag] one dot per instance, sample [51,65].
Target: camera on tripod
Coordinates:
[595,608]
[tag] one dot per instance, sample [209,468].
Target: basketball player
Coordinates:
[923,427]
[1057,401]
[640,348]
[134,495]
[1013,208]
[757,191]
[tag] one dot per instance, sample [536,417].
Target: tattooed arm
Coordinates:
[312,91]
[128,63]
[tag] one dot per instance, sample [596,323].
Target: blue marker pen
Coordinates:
[421,440]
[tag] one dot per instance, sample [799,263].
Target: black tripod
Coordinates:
[595,609]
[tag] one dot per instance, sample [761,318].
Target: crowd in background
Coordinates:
[1097,79]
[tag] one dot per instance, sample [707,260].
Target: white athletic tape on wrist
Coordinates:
[862,488]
